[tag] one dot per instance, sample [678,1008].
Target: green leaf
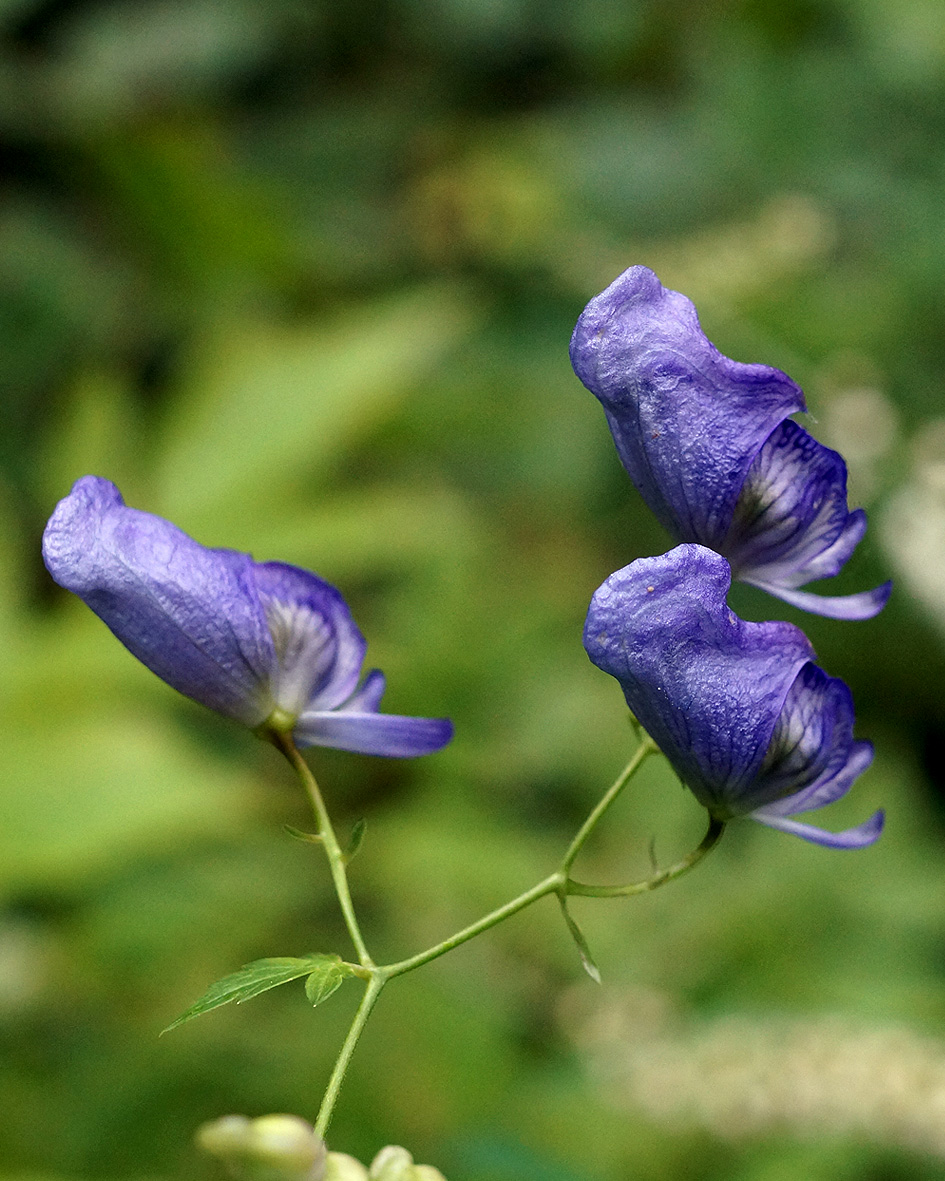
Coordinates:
[329,976]
[302,395]
[310,838]
[260,976]
[585,952]
[357,836]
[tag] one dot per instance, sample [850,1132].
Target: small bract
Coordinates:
[750,724]
[270,645]
[709,444]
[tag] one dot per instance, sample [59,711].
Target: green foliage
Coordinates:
[358,829]
[324,975]
[329,976]
[581,944]
[301,277]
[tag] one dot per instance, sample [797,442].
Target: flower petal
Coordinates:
[851,838]
[863,605]
[319,648]
[791,522]
[687,421]
[368,697]
[709,444]
[191,614]
[373,733]
[826,790]
[708,686]
[812,758]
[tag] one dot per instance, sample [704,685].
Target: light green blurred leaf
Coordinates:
[384,526]
[84,792]
[261,975]
[268,404]
[113,55]
[99,432]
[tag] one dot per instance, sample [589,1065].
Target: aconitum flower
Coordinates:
[750,724]
[268,644]
[709,444]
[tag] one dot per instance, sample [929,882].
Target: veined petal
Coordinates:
[792,525]
[318,646]
[708,686]
[263,643]
[791,522]
[812,758]
[373,733]
[191,614]
[749,723]
[709,444]
[687,421]
[829,787]
[863,605]
[859,837]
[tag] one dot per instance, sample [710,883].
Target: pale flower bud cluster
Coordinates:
[286,1148]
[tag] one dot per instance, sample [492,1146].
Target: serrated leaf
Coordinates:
[357,836]
[585,952]
[328,977]
[251,980]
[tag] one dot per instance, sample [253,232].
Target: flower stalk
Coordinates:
[336,858]
[559,883]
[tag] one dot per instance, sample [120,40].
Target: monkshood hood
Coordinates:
[268,644]
[750,724]
[709,444]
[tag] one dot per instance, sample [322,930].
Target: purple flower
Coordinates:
[270,645]
[709,444]
[751,725]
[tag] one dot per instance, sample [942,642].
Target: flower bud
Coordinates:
[392,1164]
[270,1148]
[396,1164]
[341,1167]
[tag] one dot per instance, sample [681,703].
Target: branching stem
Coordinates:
[560,883]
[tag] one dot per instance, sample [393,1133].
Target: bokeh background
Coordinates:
[301,277]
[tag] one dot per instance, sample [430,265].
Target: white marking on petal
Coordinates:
[305,647]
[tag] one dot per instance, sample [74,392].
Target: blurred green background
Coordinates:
[301,277]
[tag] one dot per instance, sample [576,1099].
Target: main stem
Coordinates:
[371,993]
[336,858]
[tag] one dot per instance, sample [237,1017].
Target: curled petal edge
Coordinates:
[393,735]
[825,791]
[367,699]
[863,605]
[859,837]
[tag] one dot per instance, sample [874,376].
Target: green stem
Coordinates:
[557,883]
[551,885]
[646,748]
[711,838]
[560,882]
[368,1000]
[336,859]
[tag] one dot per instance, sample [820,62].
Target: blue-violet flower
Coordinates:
[270,645]
[709,445]
[750,724]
